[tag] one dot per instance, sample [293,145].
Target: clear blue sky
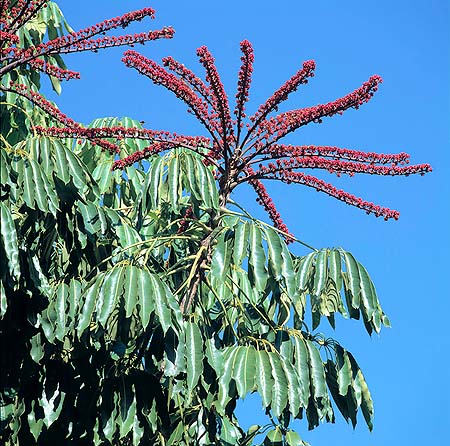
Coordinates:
[407,43]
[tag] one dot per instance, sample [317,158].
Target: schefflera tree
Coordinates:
[139,301]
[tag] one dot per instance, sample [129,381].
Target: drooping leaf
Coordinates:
[9,240]
[244,370]
[353,278]
[194,354]
[280,384]
[241,234]
[257,259]
[304,271]
[301,364]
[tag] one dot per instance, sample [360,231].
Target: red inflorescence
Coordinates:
[74,42]
[260,144]
[218,96]
[244,81]
[140,155]
[233,156]
[52,70]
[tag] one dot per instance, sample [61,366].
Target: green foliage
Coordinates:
[125,320]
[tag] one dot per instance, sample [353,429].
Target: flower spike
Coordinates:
[235,149]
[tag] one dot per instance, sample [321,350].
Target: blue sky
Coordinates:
[407,43]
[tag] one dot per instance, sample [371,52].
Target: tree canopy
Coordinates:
[139,301]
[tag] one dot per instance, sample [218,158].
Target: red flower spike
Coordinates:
[219,97]
[140,155]
[40,101]
[162,77]
[74,42]
[52,70]
[291,85]
[234,160]
[189,77]
[280,150]
[276,128]
[269,206]
[244,81]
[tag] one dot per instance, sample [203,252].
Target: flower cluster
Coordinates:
[263,198]
[160,76]
[235,157]
[52,70]
[337,166]
[189,77]
[140,155]
[291,85]
[219,99]
[81,40]
[244,81]
[234,148]
[280,150]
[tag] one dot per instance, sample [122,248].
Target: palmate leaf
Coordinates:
[328,274]
[348,387]
[173,177]
[37,190]
[134,289]
[55,157]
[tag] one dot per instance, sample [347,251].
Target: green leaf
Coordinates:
[334,268]
[37,348]
[146,292]
[316,371]
[274,438]
[280,385]
[263,378]
[3,300]
[305,270]
[344,370]
[50,407]
[74,298]
[207,184]
[241,233]
[220,262]
[293,385]
[274,251]
[194,354]
[257,259]
[161,299]
[174,183]
[301,364]
[153,179]
[62,292]
[9,240]
[128,421]
[225,390]
[110,293]
[245,369]
[287,271]
[294,439]
[368,297]
[229,433]
[131,286]
[103,175]
[353,278]
[320,272]
[89,304]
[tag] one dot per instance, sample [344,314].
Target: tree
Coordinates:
[138,300]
